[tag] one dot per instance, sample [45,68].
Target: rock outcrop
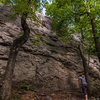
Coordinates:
[51,66]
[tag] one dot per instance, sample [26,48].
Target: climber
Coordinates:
[83,84]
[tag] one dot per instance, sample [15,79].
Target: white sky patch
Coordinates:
[44,11]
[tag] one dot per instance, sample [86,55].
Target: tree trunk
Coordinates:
[6,89]
[82,34]
[17,43]
[85,66]
[95,37]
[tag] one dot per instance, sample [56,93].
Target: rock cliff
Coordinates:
[50,66]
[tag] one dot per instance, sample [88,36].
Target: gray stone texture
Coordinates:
[52,65]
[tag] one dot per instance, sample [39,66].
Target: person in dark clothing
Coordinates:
[83,85]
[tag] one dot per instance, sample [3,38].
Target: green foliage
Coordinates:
[61,15]
[73,16]
[22,6]
[37,39]
[24,86]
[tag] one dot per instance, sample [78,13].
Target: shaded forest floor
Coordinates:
[27,94]
[30,95]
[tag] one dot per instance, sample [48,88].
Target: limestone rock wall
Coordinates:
[51,65]
[47,62]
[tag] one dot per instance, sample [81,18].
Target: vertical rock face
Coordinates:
[46,63]
[51,65]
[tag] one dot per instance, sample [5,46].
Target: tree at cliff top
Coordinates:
[77,16]
[26,9]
